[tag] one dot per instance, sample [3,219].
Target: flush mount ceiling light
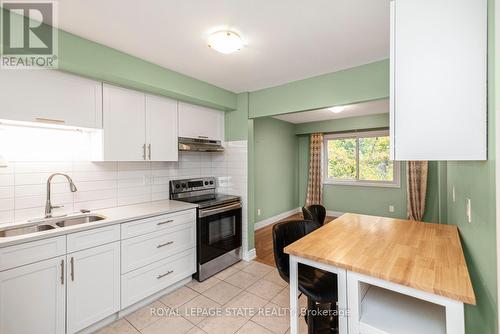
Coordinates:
[225,41]
[337,110]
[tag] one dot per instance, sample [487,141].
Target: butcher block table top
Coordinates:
[424,256]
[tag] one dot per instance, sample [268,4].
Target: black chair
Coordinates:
[320,287]
[315,213]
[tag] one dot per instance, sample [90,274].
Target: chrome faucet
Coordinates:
[48,204]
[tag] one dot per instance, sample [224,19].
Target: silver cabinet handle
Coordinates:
[72,263]
[49,121]
[203,137]
[165,244]
[144,151]
[165,222]
[149,151]
[163,275]
[62,272]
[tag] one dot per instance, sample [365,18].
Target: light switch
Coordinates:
[469,211]
[453,194]
[258,212]
[391,208]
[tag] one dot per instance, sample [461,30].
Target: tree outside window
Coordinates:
[360,159]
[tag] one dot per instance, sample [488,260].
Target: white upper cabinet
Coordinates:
[48,96]
[137,127]
[161,128]
[124,117]
[438,79]
[200,122]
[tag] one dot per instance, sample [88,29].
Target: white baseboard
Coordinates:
[249,255]
[274,219]
[334,213]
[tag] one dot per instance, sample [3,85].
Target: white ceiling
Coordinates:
[286,40]
[352,110]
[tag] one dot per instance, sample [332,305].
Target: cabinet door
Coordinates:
[32,298]
[124,117]
[200,122]
[161,128]
[438,79]
[51,97]
[93,285]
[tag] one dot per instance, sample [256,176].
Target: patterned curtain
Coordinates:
[417,188]
[315,184]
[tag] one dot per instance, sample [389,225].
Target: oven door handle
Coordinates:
[209,212]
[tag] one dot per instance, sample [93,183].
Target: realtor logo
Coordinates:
[28,35]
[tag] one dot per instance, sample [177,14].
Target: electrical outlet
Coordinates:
[453,194]
[258,212]
[469,210]
[391,208]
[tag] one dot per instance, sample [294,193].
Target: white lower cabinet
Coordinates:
[144,282]
[142,250]
[33,298]
[68,283]
[93,278]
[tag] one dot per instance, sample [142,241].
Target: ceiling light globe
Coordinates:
[225,41]
[336,110]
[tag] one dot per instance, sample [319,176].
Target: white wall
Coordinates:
[110,184]
[231,170]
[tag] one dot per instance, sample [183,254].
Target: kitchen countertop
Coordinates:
[424,256]
[113,216]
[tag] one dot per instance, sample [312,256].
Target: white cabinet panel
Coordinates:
[31,252]
[124,118]
[200,122]
[137,127]
[161,128]
[93,278]
[143,250]
[144,282]
[32,298]
[158,223]
[92,238]
[51,97]
[438,79]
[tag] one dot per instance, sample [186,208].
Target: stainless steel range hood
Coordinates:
[200,145]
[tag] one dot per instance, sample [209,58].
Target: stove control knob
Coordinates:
[183,185]
[177,186]
[206,183]
[211,182]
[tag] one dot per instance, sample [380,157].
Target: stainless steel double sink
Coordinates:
[48,224]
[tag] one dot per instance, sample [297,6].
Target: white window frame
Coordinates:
[396,183]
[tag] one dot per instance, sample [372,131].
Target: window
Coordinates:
[360,159]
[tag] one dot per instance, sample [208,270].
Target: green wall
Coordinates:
[476,181]
[83,57]
[276,159]
[357,84]
[236,121]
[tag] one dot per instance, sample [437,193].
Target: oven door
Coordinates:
[219,231]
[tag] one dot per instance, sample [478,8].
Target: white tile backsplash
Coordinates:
[109,184]
[6,192]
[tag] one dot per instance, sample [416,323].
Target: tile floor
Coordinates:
[247,298]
